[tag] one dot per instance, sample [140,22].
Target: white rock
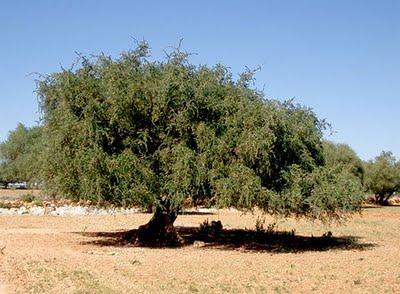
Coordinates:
[78,210]
[5,211]
[54,213]
[36,210]
[23,210]
[67,210]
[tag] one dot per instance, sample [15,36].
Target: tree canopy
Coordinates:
[342,156]
[132,130]
[383,177]
[20,155]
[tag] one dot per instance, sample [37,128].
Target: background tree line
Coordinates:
[21,156]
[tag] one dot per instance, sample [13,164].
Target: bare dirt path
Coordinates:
[86,255]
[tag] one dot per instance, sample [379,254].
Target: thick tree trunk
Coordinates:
[160,231]
[382,199]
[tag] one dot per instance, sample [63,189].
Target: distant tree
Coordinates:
[342,156]
[383,177]
[19,155]
[155,133]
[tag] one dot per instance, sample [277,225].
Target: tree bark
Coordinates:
[382,199]
[160,230]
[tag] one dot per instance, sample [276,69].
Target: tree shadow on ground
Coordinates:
[371,207]
[197,213]
[238,239]
[380,206]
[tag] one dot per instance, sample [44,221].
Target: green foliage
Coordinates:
[154,133]
[20,155]
[320,193]
[383,176]
[342,156]
[38,202]
[29,197]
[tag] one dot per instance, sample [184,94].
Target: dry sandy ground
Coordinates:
[11,194]
[86,255]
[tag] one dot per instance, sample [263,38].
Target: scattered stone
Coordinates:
[5,211]
[36,210]
[199,244]
[136,262]
[23,210]
[68,208]
[48,209]
[102,253]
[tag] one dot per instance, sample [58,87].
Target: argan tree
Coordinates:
[134,131]
[383,177]
[20,155]
[343,157]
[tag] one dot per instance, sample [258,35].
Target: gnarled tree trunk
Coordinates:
[160,230]
[383,199]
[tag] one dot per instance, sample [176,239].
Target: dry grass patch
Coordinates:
[18,194]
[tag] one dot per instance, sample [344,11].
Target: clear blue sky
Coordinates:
[342,58]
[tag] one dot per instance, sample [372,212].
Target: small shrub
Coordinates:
[38,202]
[260,224]
[271,228]
[260,227]
[5,205]
[28,197]
[213,228]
